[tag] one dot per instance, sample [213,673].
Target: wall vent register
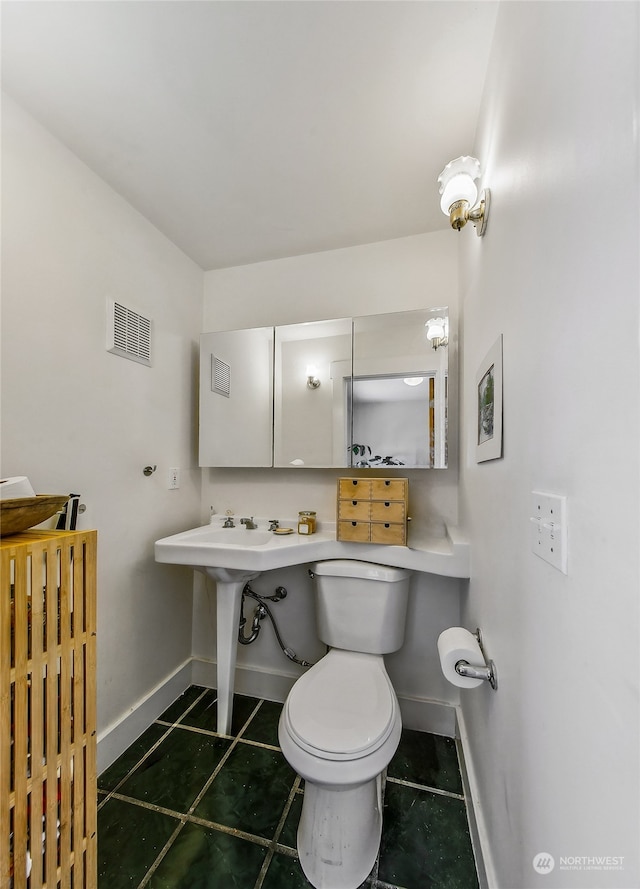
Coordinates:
[128,333]
[220,376]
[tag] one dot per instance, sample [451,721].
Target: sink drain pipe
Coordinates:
[262,611]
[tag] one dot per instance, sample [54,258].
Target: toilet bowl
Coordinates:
[341,724]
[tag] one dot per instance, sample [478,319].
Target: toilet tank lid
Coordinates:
[353,568]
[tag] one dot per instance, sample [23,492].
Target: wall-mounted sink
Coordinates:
[260,550]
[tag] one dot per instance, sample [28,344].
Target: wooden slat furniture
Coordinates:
[48,806]
[373,510]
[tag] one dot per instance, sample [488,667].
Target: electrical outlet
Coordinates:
[174,478]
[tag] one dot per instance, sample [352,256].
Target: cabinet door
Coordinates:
[400,390]
[236,397]
[313,370]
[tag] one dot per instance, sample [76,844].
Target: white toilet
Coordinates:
[340,724]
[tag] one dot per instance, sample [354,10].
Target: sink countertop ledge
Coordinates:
[447,554]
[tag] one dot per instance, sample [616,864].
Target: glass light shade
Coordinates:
[413,381]
[436,328]
[457,182]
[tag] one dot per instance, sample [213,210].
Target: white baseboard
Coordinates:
[424,715]
[272,686]
[114,740]
[477,823]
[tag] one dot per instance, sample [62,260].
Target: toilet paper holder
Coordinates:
[487,673]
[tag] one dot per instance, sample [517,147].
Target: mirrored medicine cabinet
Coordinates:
[358,392]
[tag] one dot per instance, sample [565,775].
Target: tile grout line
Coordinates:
[194,819]
[273,844]
[203,731]
[153,747]
[161,855]
[426,787]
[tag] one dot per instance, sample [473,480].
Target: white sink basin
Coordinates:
[234,537]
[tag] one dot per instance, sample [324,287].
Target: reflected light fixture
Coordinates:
[413,381]
[460,200]
[312,376]
[437,332]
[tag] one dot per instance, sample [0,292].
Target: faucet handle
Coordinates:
[273,524]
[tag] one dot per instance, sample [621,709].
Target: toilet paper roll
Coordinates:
[457,644]
[17,486]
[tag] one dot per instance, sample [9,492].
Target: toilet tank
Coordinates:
[361,606]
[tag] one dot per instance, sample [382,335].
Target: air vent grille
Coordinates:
[128,333]
[220,376]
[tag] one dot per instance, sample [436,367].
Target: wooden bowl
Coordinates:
[25,512]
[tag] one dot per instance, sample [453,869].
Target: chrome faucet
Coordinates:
[248,523]
[228,522]
[273,524]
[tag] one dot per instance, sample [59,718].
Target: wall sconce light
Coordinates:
[437,332]
[312,376]
[459,194]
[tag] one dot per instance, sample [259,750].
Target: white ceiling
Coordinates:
[250,130]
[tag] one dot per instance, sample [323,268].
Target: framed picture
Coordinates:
[489,405]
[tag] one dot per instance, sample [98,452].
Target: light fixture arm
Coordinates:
[460,214]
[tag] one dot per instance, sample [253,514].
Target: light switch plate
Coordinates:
[549,528]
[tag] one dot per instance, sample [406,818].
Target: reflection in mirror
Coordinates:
[399,391]
[236,395]
[312,389]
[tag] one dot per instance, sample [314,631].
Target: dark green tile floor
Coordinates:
[186,808]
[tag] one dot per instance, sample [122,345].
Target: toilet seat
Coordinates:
[344,708]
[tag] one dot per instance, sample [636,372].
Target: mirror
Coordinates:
[236,397]
[364,392]
[312,388]
[400,382]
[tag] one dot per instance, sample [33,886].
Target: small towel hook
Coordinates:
[149,470]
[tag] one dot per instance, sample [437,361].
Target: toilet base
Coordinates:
[339,833]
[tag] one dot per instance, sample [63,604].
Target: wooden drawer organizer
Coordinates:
[373,510]
[48,710]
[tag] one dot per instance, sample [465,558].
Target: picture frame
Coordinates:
[489,405]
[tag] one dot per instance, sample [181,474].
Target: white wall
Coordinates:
[75,418]
[408,273]
[556,749]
